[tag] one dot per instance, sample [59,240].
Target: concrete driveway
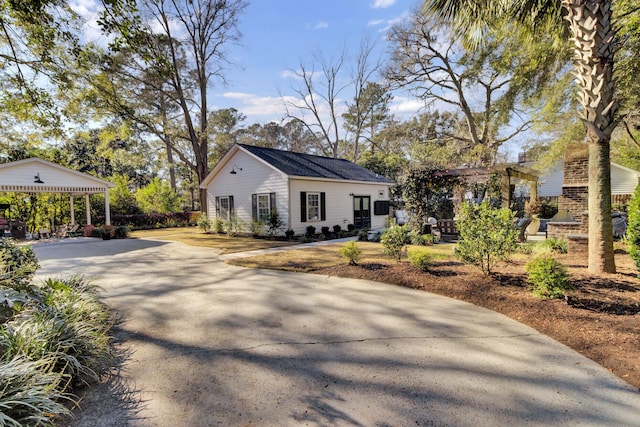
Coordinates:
[210,344]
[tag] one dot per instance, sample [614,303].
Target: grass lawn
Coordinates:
[195,237]
[307,261]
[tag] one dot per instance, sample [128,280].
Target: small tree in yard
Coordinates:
[487,235]
[204,223]
[394,240]
[633,228]
[351,252]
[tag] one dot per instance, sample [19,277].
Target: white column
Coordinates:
[87,208]
[107,211]
[71,211]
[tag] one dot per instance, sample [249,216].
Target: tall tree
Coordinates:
[591,29]
[492,87]
[200,28]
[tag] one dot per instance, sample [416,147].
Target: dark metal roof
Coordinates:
[298,164]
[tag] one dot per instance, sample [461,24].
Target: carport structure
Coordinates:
[35,175]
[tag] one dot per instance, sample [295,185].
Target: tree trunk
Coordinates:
[600,228]
[593,34]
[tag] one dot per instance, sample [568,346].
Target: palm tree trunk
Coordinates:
[593,34]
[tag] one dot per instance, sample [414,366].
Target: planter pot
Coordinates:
[533,227]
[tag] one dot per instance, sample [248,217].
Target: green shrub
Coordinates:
[121,232]
[351,228]
[633,228]
[394,240]
[218,225]
[275,223]
[256,227]
[204,223]
[311,231]
[325,231]
[421,239]
[337,229]
[363,235]
[351,252]
[289,234]
[18,265]
[421,258]
[548,278]
[487,235]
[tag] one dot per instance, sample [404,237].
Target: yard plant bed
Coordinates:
[600,319]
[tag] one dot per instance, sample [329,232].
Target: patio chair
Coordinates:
[72,231]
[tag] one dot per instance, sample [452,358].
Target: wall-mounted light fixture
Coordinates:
[37,179]
[351,194]
[235,170]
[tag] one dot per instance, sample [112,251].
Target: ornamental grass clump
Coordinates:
[53,337]
[548,278]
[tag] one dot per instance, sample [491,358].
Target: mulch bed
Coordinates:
[601,319]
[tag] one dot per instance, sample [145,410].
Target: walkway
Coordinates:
[212,344]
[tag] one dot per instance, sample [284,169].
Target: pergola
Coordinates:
[39,176]
[507,172]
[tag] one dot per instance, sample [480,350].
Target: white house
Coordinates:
[249,182]
[623,180]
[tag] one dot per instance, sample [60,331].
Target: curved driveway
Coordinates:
[211,344]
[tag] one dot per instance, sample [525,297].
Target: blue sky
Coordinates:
[277,35]
[280,34]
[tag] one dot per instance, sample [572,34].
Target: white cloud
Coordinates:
[382,4]
[375,22]
[406,16]
[320,25]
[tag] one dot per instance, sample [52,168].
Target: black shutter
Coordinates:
[272,201]
[231,211]
[254,207]
[303,206]
[323,210]
[217,207]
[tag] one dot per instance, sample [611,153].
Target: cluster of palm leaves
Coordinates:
[54,337]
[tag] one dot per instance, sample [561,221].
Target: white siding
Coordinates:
[623,180]
[550,184]
[255,177]
[339,203]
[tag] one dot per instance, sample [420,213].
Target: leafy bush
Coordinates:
[289,234]
[275,223]
[363,235]
[421,258]
[311,231]
[149,220]
[204,223]
[548,278]
[256,228]
[421,239]
[487,235]
[325,231]
[351,252]
[633,228]
[394,240]
[18,265]
[351,228]
[121,232]
[234,226]
[218,225]
[337,229]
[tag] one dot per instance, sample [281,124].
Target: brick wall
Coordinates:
[575,187]
[566,229]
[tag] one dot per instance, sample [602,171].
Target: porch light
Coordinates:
[37,179]
[234,171]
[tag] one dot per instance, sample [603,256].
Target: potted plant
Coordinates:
[532,210]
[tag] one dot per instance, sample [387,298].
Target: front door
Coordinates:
[362,212]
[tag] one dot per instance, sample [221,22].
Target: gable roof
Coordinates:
[307,165]
[34,175]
